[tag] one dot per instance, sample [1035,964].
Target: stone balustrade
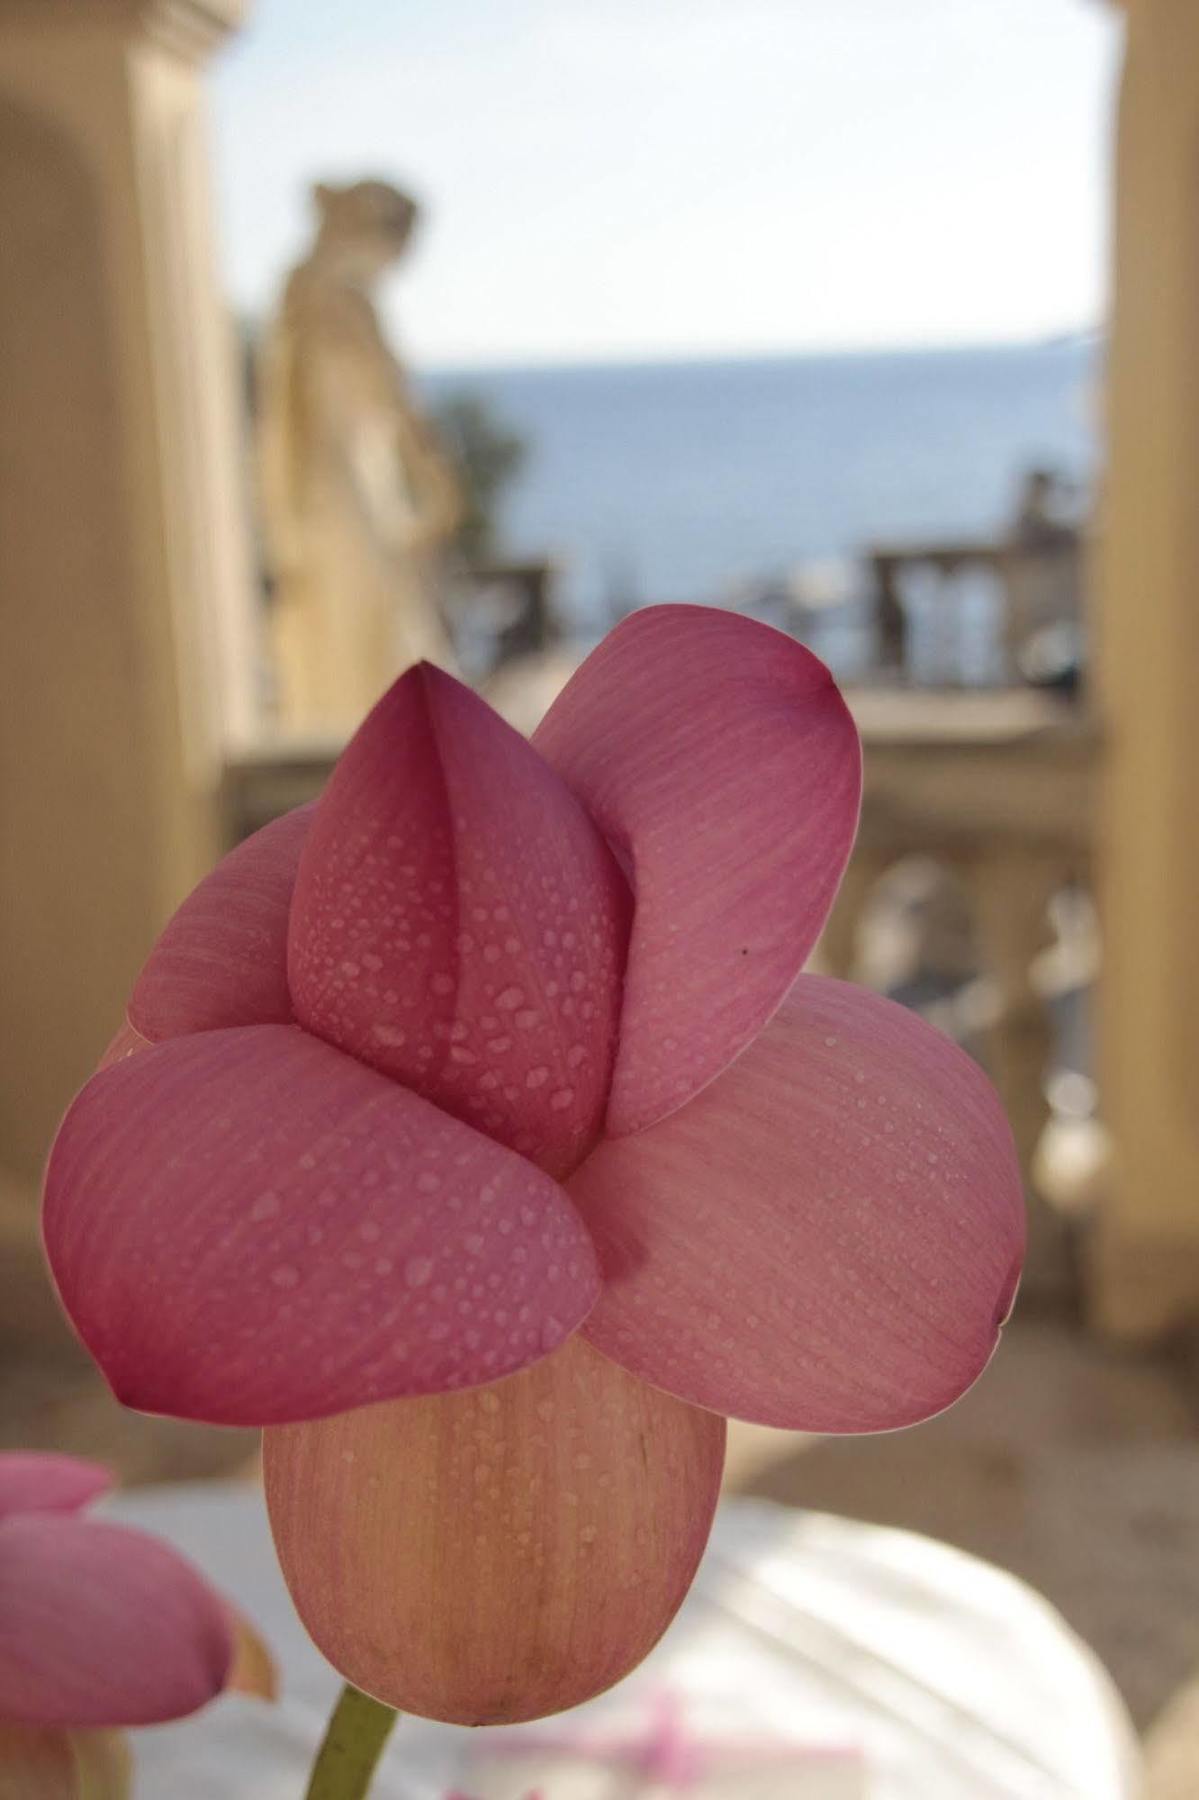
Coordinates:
[999,789]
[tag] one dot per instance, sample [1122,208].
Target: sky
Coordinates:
[618,179]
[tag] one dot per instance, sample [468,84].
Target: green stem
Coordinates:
[352,1746]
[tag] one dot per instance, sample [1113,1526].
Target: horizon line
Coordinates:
[502,363]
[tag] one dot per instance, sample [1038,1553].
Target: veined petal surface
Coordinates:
[828,1237]
[719,757]
[222,959]
[460,924]
[496,1556]
[249,1226]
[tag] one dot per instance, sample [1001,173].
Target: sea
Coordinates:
[759,482]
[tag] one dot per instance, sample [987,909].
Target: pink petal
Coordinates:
[103,1626]
[719,757]
[249,1226]
[222,960]
[43,1481]
[460,924]
[496,1556]
[828,1238]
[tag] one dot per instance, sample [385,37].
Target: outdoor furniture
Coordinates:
[1035,585]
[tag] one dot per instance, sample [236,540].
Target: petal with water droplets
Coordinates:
[718,755]
[222,959]
[827,1238]
[44,1481]
[103,1626]
[460,924]
[249,1226]
[500,1555]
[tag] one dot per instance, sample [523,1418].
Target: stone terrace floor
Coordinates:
[1070,1463]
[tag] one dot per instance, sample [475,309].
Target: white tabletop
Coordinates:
[815,1658]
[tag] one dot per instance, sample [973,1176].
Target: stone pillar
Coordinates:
[1011,889]
[1146,1270]
[125,638]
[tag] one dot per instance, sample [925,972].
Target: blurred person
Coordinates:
[1043,583]
[1046,510]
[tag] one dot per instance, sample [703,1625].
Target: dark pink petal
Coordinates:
[720,759]
[828,1238]
[460,924]
[250,1227]
[222,960]
[43,1481]
[104,1626]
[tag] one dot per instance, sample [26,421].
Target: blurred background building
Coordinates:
[824,334]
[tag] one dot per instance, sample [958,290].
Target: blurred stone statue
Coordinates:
[358,497]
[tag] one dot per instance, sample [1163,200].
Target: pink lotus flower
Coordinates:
[100,1626]
[497,1063]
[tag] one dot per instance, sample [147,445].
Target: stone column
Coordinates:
[1146,1271]
[125,638]
[1011,888]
